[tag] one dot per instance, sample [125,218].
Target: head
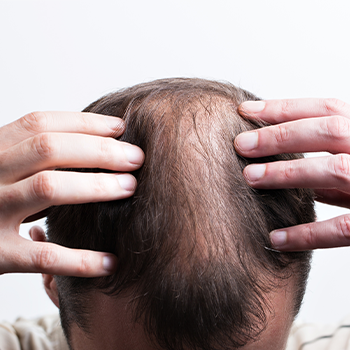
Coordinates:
[194,268]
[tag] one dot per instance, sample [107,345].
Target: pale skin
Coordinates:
[302,125]
[30,149]
[125,334]
[34,145]
[128,335]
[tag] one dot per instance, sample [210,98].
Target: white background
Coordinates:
[62,55]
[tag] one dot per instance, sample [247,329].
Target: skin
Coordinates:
[125,334]
[35,145]
[302,125]
[31,148]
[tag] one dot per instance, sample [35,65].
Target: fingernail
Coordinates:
[133,154]
[114,123]
[247,141]
[278,238]
[127,182]
[254,172]
[253,106]
[109,263]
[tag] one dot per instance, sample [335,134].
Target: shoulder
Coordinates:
[310,336]
[38,334]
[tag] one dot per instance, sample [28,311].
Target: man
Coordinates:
[194,271]
[209,248]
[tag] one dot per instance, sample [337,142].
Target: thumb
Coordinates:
[37,234]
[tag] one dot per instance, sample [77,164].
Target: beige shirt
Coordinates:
[320,337]
[46,334]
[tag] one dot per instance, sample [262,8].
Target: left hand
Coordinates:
[303,125]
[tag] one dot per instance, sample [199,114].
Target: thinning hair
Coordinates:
[191,242]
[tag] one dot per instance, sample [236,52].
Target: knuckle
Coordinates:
[344,227]
[105,151]
[341,167]
[86,123]
[44,146]
[281,134]
[85,264]
[333,105]
[100,185]
[46,258]
[309,236]
[286,107]
[287,170]
[35,122]
[338,128]
[43,186]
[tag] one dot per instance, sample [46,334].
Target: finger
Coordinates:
[325,234]
[22,255]
[63,122]
[36,216]
[331,134]
[331,172]
[59,150]
[49,188]
[333,197]
[279,111]
[37,234]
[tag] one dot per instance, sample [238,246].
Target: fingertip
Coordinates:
[278,239]
[82,263]
[250,108]
[37,234]
[116,124]
[127,182]
[254,173]
[100,264]
[109,264]
[243,112]
[119,129]
[246,141]
[133,154]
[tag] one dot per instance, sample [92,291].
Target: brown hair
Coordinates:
[192,241]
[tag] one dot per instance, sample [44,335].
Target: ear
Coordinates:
[37,234]
[51,288]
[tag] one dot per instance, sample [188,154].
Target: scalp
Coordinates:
[191,241]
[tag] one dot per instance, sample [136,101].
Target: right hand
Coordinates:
[30,149]
[302,125]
